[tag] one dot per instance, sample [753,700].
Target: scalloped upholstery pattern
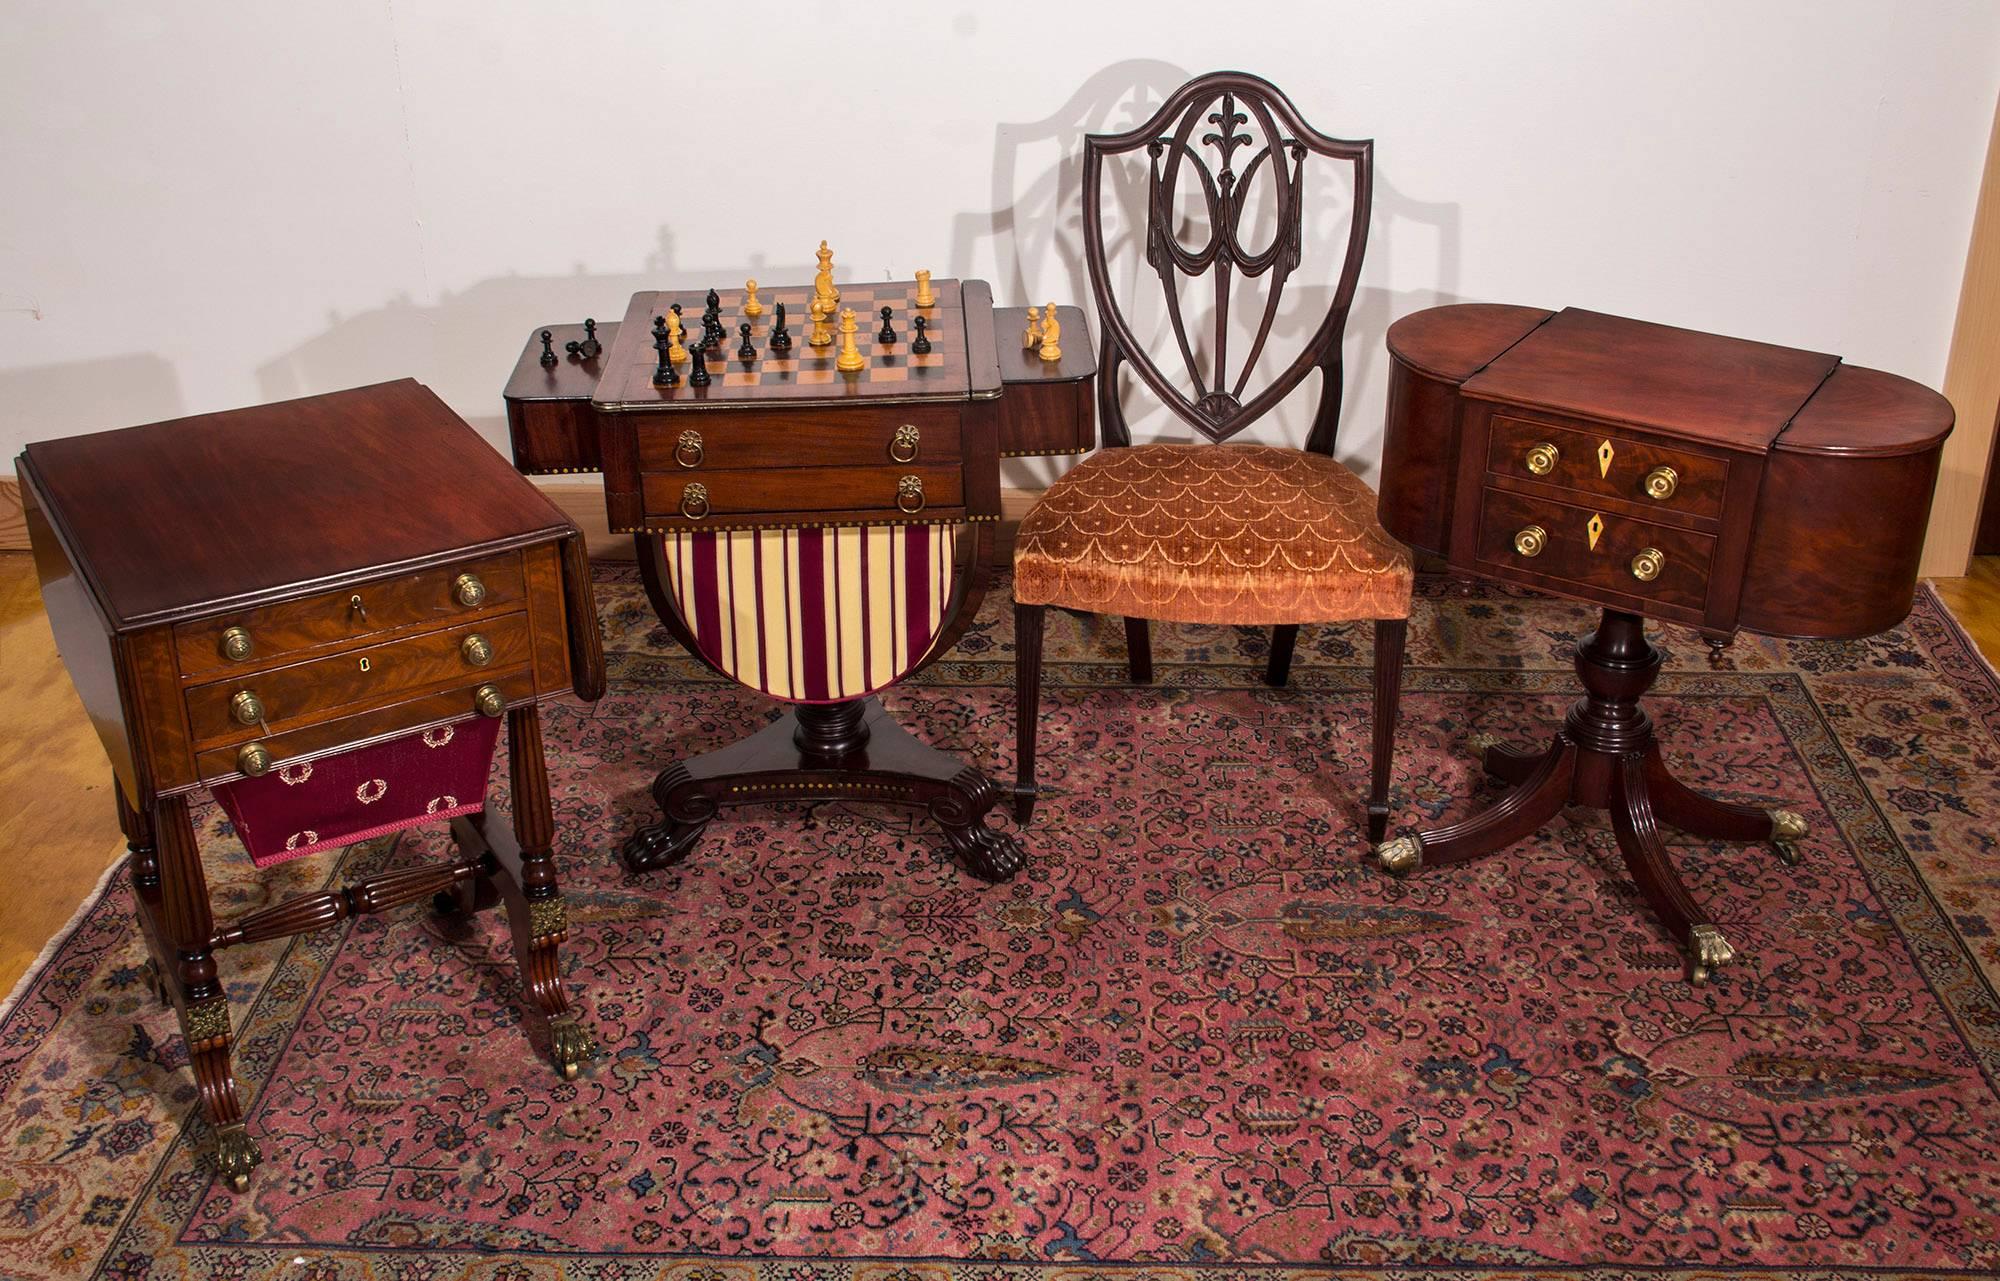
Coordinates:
[1251,534]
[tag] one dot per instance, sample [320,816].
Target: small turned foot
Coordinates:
[1024,804]
[1401,856]
[235,1156]
[1708,952]
[662,844]
[1787,830]
[989,855]
[570,1046]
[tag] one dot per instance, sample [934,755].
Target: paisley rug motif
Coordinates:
[1200,1036]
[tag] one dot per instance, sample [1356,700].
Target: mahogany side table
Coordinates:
[245,598]
[1658,472]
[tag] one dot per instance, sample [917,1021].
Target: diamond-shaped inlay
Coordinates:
[1604,453]
[1596,529]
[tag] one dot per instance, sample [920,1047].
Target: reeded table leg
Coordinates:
[526,878]
[1639,840]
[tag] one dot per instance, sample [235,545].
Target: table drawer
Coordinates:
[1568,558]
[801,438]
[278,633]
[891,490]
[308,692]
[340,733]
[1607,466]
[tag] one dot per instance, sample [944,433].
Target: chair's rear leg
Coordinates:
[1284,637]
[1389,636]
[1139,651]
[1028,621]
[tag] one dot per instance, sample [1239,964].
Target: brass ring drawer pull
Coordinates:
[903,445]
[468,591]
[1661,482]
[910,489]
[253,760]
[694,500]
[476,650]
[488,700]
[687,450]
[246,707]
[1542,458]
[1646,566]
[1530,541]
[236,644]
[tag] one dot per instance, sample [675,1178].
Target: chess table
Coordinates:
[813,534]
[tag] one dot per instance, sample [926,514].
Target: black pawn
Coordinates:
[548,348]
[781,338]
[591,347]
[698,376]
[746,352]
[922,345]
[888,333]
[663,373]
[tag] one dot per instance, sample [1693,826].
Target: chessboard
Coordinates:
[802,372]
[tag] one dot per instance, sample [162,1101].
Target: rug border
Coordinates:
[1929,588]
[62,936]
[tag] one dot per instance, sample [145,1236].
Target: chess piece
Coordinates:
[781,337]
[921,345]
[1051,331]
[888,334]
[823,287]
[850,360]
[663,373]
[676,350]
[589,347]
[746,352]
[548,349]
[751,307]
[659,325]
[925,298]
[1033,336]
[698,375]
[821,334]
[714,301]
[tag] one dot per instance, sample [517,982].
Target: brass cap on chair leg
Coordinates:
[1401,856]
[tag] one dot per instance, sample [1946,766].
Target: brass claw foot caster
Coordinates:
[235,1156]
[1401,856]
[1787,830]
[1478,743]
[570,1046]
[1708,952]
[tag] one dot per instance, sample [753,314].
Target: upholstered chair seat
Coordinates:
[1245,534]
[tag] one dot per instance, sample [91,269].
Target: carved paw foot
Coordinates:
[989,855]
[1401,856]
[1708,952]
[1478,744]
[1787,830]
[663,844]
[570,1046]
[235,1156]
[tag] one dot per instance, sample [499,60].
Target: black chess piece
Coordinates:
[663,373]
[746,352]
[589,347]
[888,333]
[659,325]
[548,348]
[698,376]
[781,338]
[922,345]
[714,301]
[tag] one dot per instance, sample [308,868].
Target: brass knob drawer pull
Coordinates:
[253,760]
[687,450]
[694,501]
[1646,566]
[1531,541]
[236,645]
[1542,458]
[903,445]
[910,494]
[489,700]
[246,707]
[468,591]
[476,650]
[1661,482]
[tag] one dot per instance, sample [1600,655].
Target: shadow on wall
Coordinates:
[118,391]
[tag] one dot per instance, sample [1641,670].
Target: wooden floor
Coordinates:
[58,832]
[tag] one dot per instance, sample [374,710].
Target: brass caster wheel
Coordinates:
[1478,743]
[235,1156]
[1787,830]
[1401,856]
[570,1046]
[1708,952]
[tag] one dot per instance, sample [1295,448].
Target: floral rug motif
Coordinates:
[1201,1036]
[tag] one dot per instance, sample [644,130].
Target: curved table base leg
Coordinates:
[1637,825]
[1679,805]
[1540,796]
[1506,763]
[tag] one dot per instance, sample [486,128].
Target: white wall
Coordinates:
[209,205]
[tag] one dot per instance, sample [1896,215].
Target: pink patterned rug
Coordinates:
[1198,1034]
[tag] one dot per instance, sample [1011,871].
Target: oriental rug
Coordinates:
[1200,1037]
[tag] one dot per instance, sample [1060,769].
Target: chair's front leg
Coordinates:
[1028,626]
[1389,636]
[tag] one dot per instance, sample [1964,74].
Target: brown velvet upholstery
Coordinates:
[1249,534]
